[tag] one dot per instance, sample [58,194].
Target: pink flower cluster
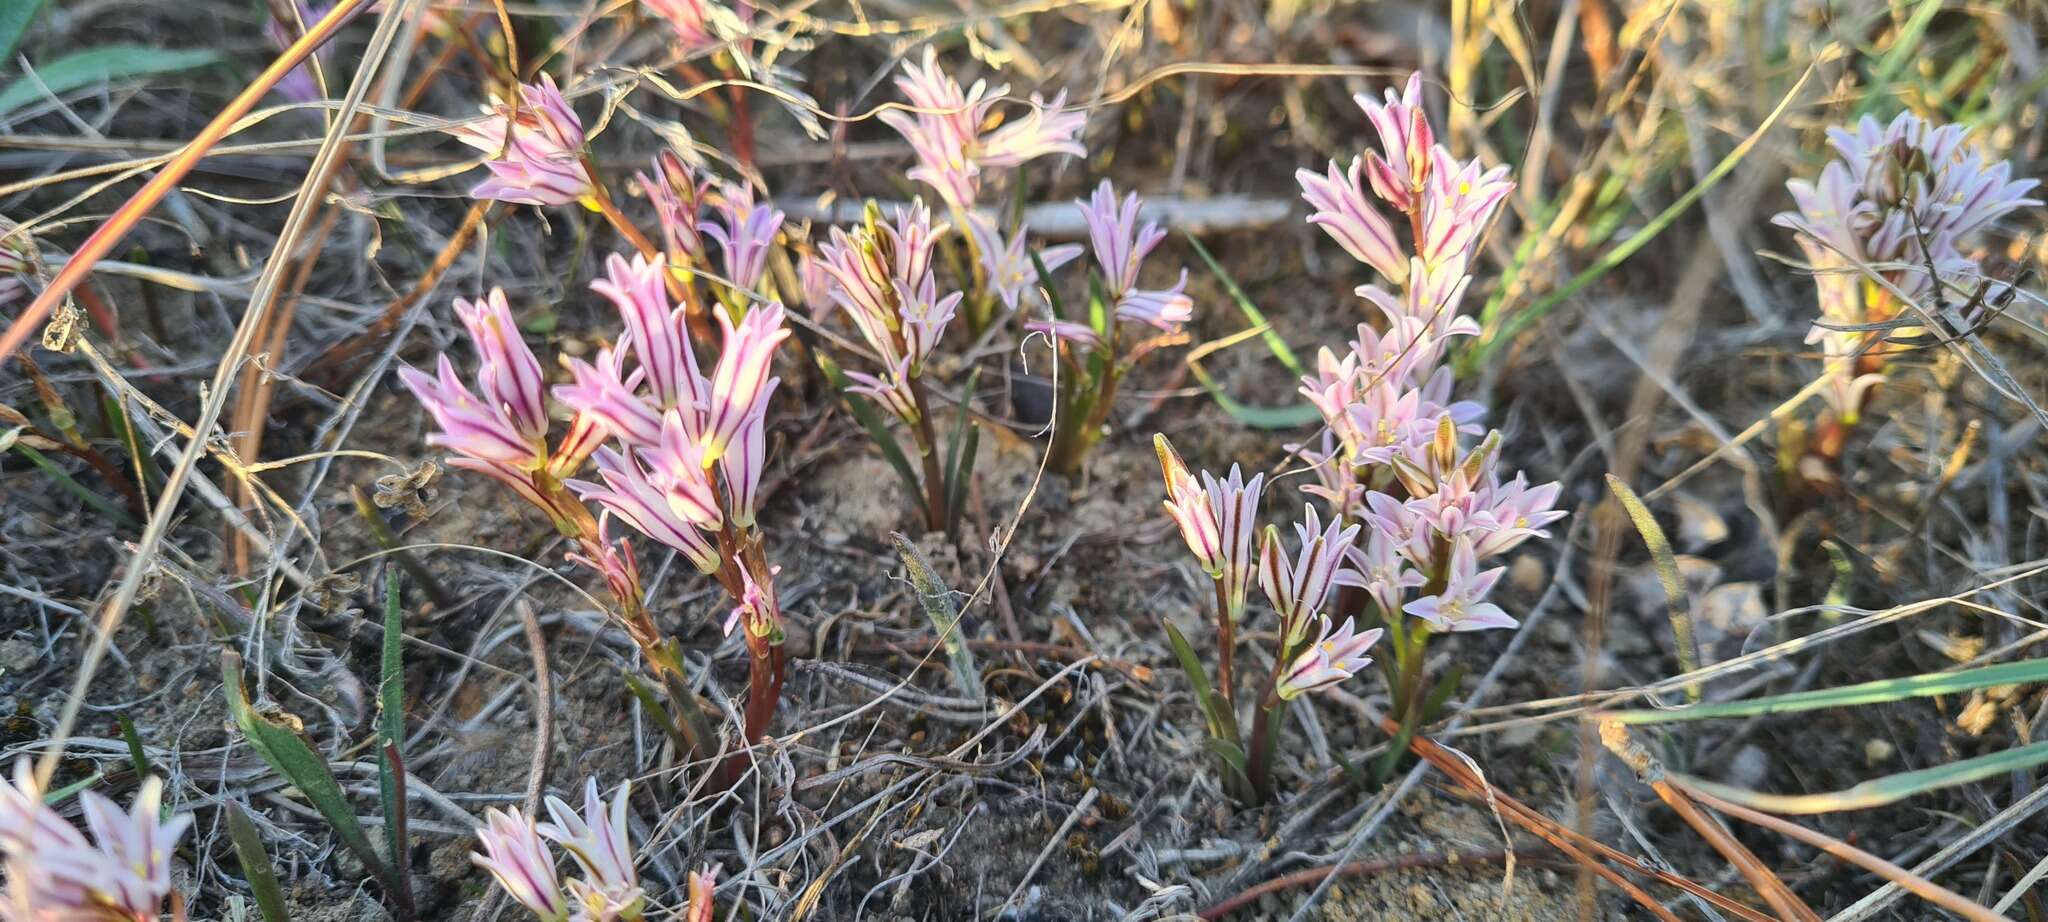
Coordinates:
[1389,453]
[1120,246]
[945,130]
[881,276]
[515,851]
[1900,198]
[55,873]
[692,447]
[698,24]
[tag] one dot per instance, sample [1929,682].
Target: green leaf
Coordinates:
[135,753]
[1300,414]
[872,422]
[1883,690]
[1676,602]
[1222,723]
[391,732]
[1245,306]
[937,602]
[1053,301]
[1905,46]
[94,65]
[15,17]
[256,866]
[1878,791]
[960,455]
[280,745]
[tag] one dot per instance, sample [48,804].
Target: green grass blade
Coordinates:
[956,498]
[1904,48]
[966,439]
[937,602]
[1878,692]
[391,733]
[1053,301]
[256,866]
[97,65]
[1253,416]
[1676,602]
[285,751]
[135,754]
[99,503]
[1878,792]
[1245,306]
[15,17]
[1493,339]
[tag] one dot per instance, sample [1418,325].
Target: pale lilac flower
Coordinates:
[1080,334]
[136,873]
[1382,571]
[677,194]
[1517,512]
[516,856]
[1298,588]
[299,85]
[1008,265]
[1217,518]
[1458,205]
[883,280]
[508,374]
[1432,297]
[698,24]
[1343,212]
[53,873]
[598,842]
[1120,247]
[537,149]
[945,130]
[742,463]
[741,385]
[745,232]
[891,389]
[1462,606]
[925,317]
[25,818]
[1335,656]
[1401,167]
[656,333]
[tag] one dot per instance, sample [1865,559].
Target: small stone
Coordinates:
[1877,752]
[17,655]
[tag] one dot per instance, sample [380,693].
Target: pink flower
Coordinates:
[702,885]
[745,457]
[470,426]
[698,24]
[1517,512]
[1401,166]
[537,149]
[745,232]
[1009,267]
[516,856]
[597,841]
[1299,588]
[1120,249]
[882,278]
[668,508]
[53,873]
[613,561]
[1457,206]
[740,385]
[1335,656]
[945,130]
[1058,330]
[1462,606]
[891,389]
[757,610]
[1343,212]
[601,392]
[1191,508]
[508,374]
[925,318]
[655,332]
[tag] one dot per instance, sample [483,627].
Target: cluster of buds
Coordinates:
[515,851]
[1884,228]
[54,872]
[1097,353]
[946,131]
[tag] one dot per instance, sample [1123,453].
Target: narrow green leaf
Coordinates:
[136,756]
[1878,791]
[1906,46]
[115,514]
[15,17]
[937,602]
[872,422]
[1256,417]
[1883,690]
[94,65]
[280,745]
[966,439]
[391,732]
[1676,602]
[65,793]
[256,866]
[1245,306]
[661,713]
[962,474]
[1053,300]
[1222,723]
